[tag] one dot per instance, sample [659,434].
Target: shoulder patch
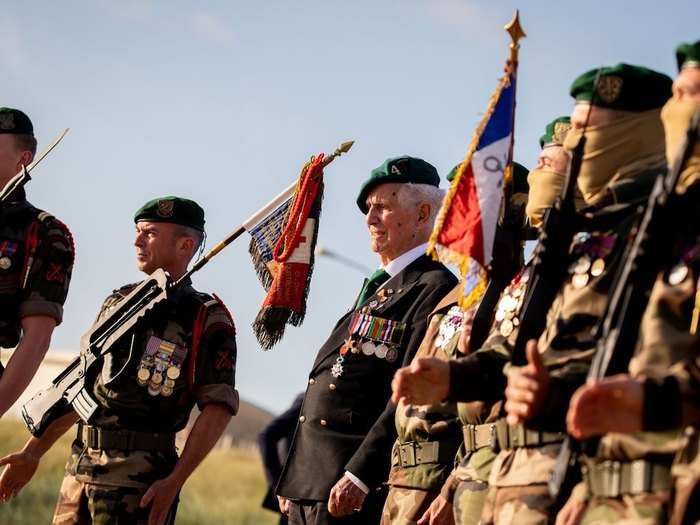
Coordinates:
[57,229]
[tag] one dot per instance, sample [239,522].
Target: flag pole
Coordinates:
[515,30]
[255,217]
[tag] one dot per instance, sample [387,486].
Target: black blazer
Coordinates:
[347,423]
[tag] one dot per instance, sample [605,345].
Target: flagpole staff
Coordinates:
[253,219]
[515,30]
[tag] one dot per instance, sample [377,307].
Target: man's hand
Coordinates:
[572,512]
[613,404]
[527,387]
[284,505]
[439,513]
[160,496]
[19,469]
[345,498]
[426,381]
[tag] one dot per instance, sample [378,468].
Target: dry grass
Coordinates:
[226,489]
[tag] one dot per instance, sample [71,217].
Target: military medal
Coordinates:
[579,280]
[506,328]
[598,267]
[381,350]
[450,325]
[7,249]
[160,366]
[678,274]
[368,348]
[143,375]
[337,368]
[392,354]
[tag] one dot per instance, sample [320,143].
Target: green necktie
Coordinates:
[378,278]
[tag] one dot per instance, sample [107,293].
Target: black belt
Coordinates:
[611,479]
[518,436]
[126,440]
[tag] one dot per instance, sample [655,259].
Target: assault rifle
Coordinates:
[647,254]
[22,177]
[69,389]
[549,258]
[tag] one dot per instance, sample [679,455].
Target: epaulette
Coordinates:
[50,222]
[124,290]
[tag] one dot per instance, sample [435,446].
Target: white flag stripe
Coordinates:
[487,165]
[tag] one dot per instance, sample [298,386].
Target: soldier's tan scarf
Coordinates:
[623,148]
[676,116]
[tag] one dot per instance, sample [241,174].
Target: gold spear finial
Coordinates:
[516,32]
[343,148]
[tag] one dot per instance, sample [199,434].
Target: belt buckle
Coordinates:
[611,478]
[407,454]
[493,438]
[640,476]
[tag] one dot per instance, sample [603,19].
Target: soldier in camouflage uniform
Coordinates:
[624,154]
[124,467]
[429,436]
[641,415]
[36,261]
[477,380]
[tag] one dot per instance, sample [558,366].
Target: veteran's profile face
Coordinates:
[390,222]
[155,244]
[554,159]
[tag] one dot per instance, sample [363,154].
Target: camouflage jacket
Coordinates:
[567,343]
[36,261]
[188,348]
[431,423]
[484,368]
[665,345]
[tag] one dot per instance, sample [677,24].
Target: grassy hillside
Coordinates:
[227,488]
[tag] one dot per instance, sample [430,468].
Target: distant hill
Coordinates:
[243,429]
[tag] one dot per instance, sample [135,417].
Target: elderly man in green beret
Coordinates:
[476,382]
[36,262]
[340,454]
[124,467]
[641,415]
[618,109]
[430,436]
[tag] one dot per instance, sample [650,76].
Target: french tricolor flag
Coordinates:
[466,225]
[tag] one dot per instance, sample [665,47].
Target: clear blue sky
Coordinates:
[223,101]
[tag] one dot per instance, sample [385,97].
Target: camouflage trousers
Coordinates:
[523,505]
[82,503]
[469,500]
[644,509]
[405,506]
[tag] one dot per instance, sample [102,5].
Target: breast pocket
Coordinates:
[11,264]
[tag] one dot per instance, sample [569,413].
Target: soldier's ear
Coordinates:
[423,212]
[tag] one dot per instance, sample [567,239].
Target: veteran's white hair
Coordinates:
[413,195]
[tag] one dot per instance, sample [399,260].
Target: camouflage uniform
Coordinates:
[36,261]
[467,486]
[665,341]
[428,436]
[105,476]
[519,476]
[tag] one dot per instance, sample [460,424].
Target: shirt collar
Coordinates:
[397,265]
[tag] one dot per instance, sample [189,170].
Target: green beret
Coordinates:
[688,55]
[15,122]
[623,87]
[398,169]
[555,132]
[520,172]
[172,209]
